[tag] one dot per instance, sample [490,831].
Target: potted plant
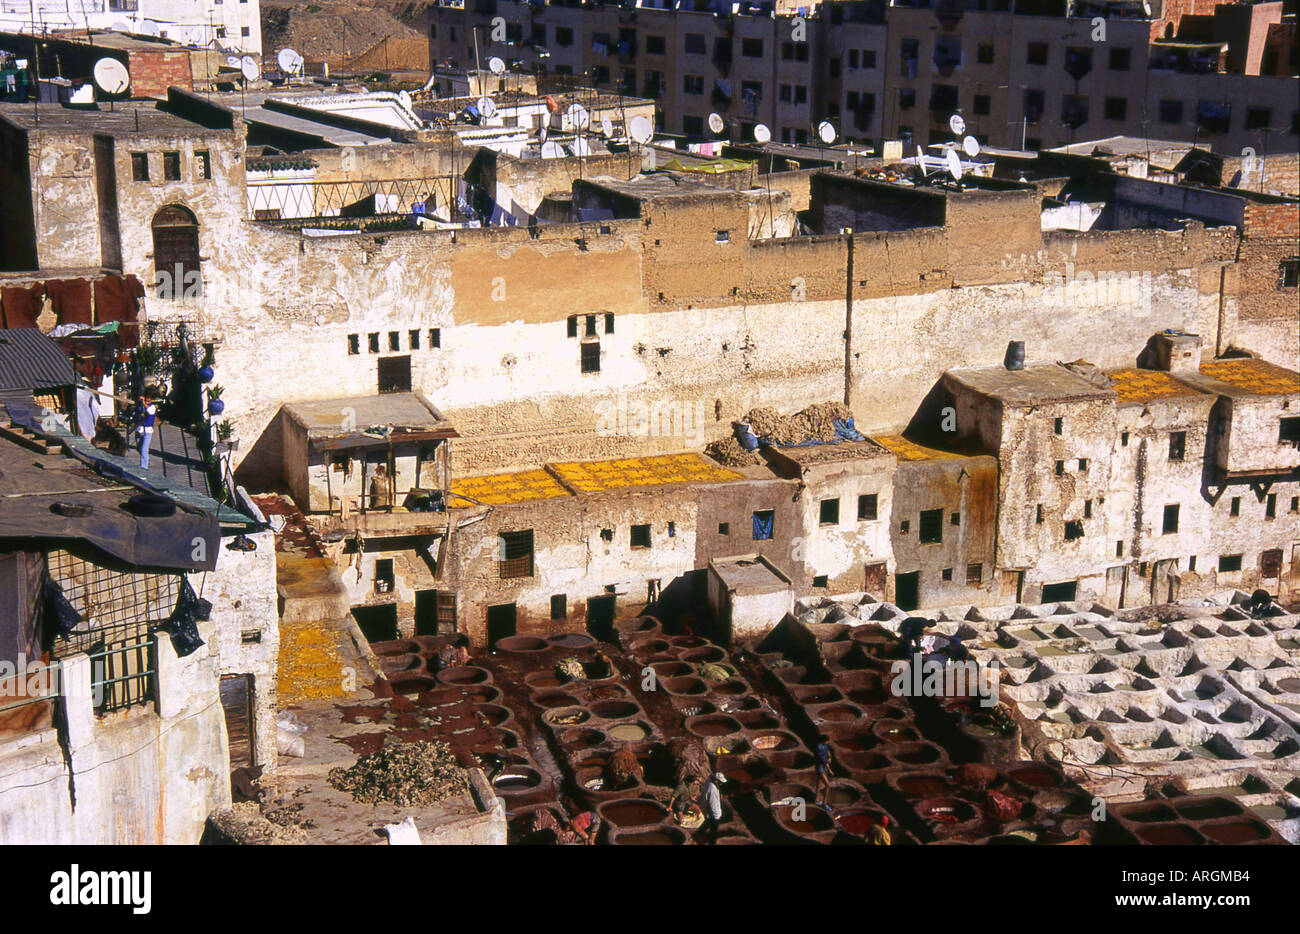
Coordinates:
[215,405]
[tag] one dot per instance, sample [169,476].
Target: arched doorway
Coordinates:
[176,253]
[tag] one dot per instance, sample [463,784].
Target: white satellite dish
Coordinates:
[920,160]
[552,151]
[957,124]
[954,164]
[496,66]
[542,134]
[404,98]
[761,133]
[232,61]
[580,147]
[826,132]
[640,130]
[486,106]
[578,115]
[248,67]
[715,123]
[606,126]
[971,146]
[290,61]
[148,28]
[111,76]
[120,25]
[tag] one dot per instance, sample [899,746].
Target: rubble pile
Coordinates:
[814,423]
[729,453]
[405,774]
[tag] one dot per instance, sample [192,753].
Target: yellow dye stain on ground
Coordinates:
[910,450]
[313,651]
[664,469]
[499,489]
[1134,385]
[1254,376]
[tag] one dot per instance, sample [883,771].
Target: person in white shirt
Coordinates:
[148,418]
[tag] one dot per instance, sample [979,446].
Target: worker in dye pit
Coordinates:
[822,753]
[585,827]
[712,806]
[910,634]
[878,835]
[685,804]
[381,497]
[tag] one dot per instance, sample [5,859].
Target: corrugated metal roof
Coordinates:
[30,360]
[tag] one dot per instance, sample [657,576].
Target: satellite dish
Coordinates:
[971,146]
[496,66]
[148,28]
[581,147]
[552,151]
[957,124]
[715,123]
[290,62]
[404,98]
[111,76]
[954,164]
[761,133]
[640,130]
[542,134]
[232,61]
[920,160]
[826,132]
[579,116]
[120,25]
[249,68]
[486,106]
[606,126]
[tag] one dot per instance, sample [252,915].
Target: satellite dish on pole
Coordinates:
[826,132]
[971,146]
[148,28]
[248,67]
[715,123]
[957,124]
[954,164]
[761,133]
[578,115]
[552,151]
[232,61]
[920,160]
[111,76]
[290,61]
[640,130]
[581,147]
[496,66]
[486,106]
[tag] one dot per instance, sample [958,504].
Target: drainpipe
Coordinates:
[848,319]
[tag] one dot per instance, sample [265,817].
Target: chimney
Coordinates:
[1015,358]
[1177,352]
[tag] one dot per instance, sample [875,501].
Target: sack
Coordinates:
[403,834]
[289,735]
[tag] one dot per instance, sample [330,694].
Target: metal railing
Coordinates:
[123,676]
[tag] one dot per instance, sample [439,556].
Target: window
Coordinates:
[1234,508]
[931,527]
[1258,118]
[1083,465]
[590,361]
[435,337]
[384,575]
[203,161]
[946,574]
[176,252]
[954,519]
[820,581]
[829,512]
[1060,468]
[1038,514]
[1087,509]
[904,527]
[1119,549]
[1036,53]
[413,338]
[1116,108]
[1171,111]
[1034,102]
[693,84]
[573,325]
[1073,530]
[1123,439]
[1057,425]
[722,236]
[1288,273]
[394,374]
[609,322]
[560,606]
[984,53]
[354,344]
[751,48]
[1170,525]
[695,43]
[1119,59]
[868,58]
[245,31]
[724,528]
[983,105]
[654,45]
[591,325]
[692,126]
[906,98]
[1177,445]
[372,341]
[140,166]
[607,535]
[563,36]
[640,536]
[1295,503]
[1270,506]
[221,32]
[867,506]
[1191,563]
[1229,563]
[394,340]
[515,554]
[974,575]
[172,166]
[764,520]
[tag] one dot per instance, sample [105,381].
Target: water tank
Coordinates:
[1015,359]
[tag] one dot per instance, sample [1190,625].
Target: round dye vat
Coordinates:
[582,739]
[817,694]
[439,697]
[464,674]
[1290,685]
[921,786]
[862,743]
[395,647]
[1170,835]
[553,700]
[542,680]
[628,732]
[840,795]
[758,720]
[775,739]
[636,812]
[483,694]
[703,655]
[815,821]
[566,716]
[1237,831]
[516,779]
[1035,776]
[494,714]
[571,640]
[895,732]
[391,664]
[666,837]
[689,642]
[945,810]
[671,669]
[839,713]
[614,709]
[515,644]
[647,647]
[411,684]
[713,725]
[731,688]
[920,754]
[868,697]
[1149,814]
[689,686]
[858,822]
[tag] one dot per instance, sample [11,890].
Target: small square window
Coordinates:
[946,574]
[354,344]
[413,336]
[394,340]
[984,53]
[954,519]
[1177,445]
[590,361]
[867,506]
[435,337]
[829,512]
[1123,439]
[372,341]
[1057,425]
[724,528]
[974,575]
[931,526]
[904,527]
[1060,468]
[560,606]
[1170,524]
[1073,530]
[723,236]
[140,166]
[820,581]
[1229,563]
[1288,430]
[607,535]
[1234,508]
[245,31]
[172,166]
[1083,465]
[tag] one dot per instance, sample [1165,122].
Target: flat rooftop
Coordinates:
[504,488]
[397,413]
[1248,377]
[909,450]
[749,574]
[126,118]
[1134,386]
[1034,385]
[808,455]
[663,470]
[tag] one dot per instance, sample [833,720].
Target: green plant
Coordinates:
[147,356]
[214,391]
[225,430]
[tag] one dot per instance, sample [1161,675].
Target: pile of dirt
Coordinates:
[331,31]
[729,452]
[405,774]
[243,824]
[815,423]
